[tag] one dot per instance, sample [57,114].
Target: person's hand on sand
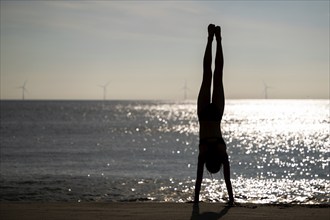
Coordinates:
[232,203]
[196,201]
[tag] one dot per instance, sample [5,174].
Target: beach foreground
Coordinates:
[140,210]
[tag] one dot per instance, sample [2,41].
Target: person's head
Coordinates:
[214,159]
[212,163]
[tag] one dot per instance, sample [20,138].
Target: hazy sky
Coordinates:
[146,49]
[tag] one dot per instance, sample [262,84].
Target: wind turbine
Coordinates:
[185,88]
[266,87]
[104,90]
[23,87]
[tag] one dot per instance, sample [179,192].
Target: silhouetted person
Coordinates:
[212,148]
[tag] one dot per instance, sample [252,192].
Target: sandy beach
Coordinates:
[141,210]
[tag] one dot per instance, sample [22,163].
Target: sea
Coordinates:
[128,151]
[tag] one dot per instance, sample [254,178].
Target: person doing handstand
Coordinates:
[212,148]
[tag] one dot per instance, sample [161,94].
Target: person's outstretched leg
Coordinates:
[204,96]
[218,96]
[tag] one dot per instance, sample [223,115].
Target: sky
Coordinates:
[149,49]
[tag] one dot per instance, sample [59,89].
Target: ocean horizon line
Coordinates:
[162,100]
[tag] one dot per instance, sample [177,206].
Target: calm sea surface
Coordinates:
[147,151]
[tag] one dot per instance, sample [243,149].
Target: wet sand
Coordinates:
[159,211]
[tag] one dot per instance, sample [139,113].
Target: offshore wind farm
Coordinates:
[104,89]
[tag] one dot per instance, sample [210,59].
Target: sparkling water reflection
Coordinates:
[135,150]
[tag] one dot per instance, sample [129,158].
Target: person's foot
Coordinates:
[217,32]
[211,30]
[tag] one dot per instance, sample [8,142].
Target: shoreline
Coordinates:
[159,210]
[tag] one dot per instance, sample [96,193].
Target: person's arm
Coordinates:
[200,169]
[226,173]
